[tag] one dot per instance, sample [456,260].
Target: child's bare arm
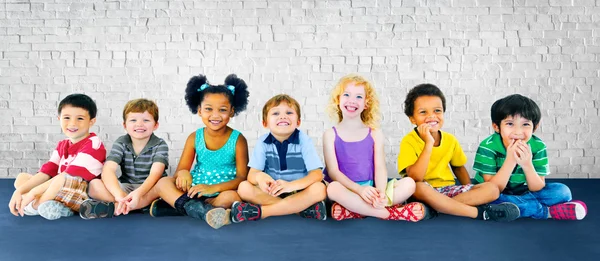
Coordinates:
[109,178]
[381,173]
[462,175]
[313,176]
[33,182]
[183,177]
[156,172]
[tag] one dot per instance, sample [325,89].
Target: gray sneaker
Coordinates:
[503,212]
[53,210]
[91,208]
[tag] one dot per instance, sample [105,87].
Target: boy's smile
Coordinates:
[75,123]
[428,110]
[514,128]
[282,121]
[140,125]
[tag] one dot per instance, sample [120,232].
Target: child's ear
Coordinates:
[412,120]
[92,122]
[155,126]
[536,127]
[299,121]
[496,128]
[264,124]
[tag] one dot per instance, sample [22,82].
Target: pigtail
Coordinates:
[240,93]
[193,95]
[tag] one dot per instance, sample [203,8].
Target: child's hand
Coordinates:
[27,198]
[184,181]
[522,154]
[120,206]
[201,189]
[368,194]
[279,187]
[511,152]
[381,200]
[425,133]
[15,203]
[129,202]
[264,182]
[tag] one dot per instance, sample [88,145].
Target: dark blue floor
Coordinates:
[141,237]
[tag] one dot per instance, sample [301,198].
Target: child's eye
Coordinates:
[80,119]
[509,124]
[66,118]
[223,110]
[208,109]
[290,112]
[346,95]
[526,124]
[422,112]
[146,120]
[275,114]
[359,97]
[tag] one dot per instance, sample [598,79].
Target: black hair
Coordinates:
[425,89]
[513,105]
[238,98]
[80,101]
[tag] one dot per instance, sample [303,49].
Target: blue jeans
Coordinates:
[535,204]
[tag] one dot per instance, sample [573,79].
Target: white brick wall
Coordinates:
[476,50]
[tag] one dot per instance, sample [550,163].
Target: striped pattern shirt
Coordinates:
[82,159]
[136,168]
[289,160]
[491,155]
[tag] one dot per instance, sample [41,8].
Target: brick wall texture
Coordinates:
[476,51]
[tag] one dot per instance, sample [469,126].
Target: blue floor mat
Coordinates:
[141,237]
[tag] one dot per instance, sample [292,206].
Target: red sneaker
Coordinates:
[573,210]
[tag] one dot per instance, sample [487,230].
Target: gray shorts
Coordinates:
[128,187]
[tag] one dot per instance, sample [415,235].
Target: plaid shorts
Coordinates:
[453,190]
[73,192]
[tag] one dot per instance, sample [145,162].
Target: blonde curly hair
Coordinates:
[370,115]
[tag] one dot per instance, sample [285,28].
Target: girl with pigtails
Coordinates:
[207,190]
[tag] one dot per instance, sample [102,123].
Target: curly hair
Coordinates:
[238,98]
[425,89]
[370,116]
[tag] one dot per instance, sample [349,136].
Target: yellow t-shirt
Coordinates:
[438,173]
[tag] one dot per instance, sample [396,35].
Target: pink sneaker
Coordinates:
[573,210]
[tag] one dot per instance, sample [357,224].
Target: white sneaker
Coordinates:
[53,210]
[30,211]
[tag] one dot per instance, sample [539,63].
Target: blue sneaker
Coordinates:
[53,210]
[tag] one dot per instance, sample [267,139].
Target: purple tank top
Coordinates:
[355,159]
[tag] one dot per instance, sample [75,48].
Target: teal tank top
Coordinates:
[214,166]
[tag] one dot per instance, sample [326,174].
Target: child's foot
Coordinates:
[30,211]
[316,211]
[502,212]
[414,211]
[574,210]
[160,208]
[91,208]
[339,212]
[242,211]
[53,210]
[217,217]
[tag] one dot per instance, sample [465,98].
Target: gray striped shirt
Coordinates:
[136,168]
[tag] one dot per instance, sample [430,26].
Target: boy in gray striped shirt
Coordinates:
[517,162]
[142,158]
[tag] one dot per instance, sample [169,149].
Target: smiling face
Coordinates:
[75,123]
[514,128]
[428,110]
[282,120]
[352,100]
[215,111]
[139,125]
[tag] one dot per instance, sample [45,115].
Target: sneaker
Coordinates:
[573,210]
[316,211]
[91,208]
[53,210]
[160,208]
[242,211]
[502,212]
[30,211]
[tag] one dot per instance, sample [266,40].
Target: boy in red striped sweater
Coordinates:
[60,186]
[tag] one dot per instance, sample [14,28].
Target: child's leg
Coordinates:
[352,201]
[528,205]
[98,191]
[479,194]
[442,203]
[273,206]
[225,199]
[556,201]
[21,179]
[167,190]
[403,189]
[56,184]
[255,195]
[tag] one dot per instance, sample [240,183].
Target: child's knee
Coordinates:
[492,190]
[245,190]
[559,191]
[334,188]
[422,189]
[165,181]
[226,199]
[317,190]
[22,178]
[406,185]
